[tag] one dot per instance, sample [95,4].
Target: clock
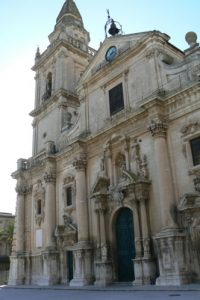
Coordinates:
[111,53]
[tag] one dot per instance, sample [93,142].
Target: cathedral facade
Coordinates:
[112,190]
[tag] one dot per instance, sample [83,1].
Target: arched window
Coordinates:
[49,84]
[48,90]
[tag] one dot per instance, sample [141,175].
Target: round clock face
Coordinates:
[111,53]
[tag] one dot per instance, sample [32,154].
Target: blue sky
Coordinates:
[26,24]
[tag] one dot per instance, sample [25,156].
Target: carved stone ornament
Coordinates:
[150,54]
[68,180]
[21,187]
[66,234]
[80,163]
[140,162]
[197,184]
[189,212]
[191,128]
[158,128]
[196,72]
[101,185]
[39,195]
[49,177]
[117,195]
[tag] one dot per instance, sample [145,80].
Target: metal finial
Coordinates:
[108,12]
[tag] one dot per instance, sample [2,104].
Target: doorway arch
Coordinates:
[125,245]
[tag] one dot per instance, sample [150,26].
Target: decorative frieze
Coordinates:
[191,128]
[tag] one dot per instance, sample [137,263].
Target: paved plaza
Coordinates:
[106,294]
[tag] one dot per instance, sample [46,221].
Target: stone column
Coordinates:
[148,263]
[98,255]
[82,250]
[81,201]
[20,217]
[17,263]
[170,241]
[137,261]
[50,256]
[137,233]
[145,230]
[158,129]
[50,209]
[103,265]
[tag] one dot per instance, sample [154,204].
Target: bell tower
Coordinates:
[58,70]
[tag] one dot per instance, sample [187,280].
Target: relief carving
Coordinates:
[158,127]
[197,184]
[191,128]
[39,202]
[196,72]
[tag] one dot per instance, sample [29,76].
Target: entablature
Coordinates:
[70,97]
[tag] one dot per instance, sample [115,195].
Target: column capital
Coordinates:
[22,187]
[158,128]
[21,190]
[49,177]
[80,164]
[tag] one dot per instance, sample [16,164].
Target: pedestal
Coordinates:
[145,271]
[17,270]
[171,248]
[83,271]
[104,274]
[51,273]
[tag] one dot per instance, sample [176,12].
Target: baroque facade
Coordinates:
[112,190]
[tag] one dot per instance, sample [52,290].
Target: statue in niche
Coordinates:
[66,118]
[140,162]
[120,166]
[48,91]
[143,168]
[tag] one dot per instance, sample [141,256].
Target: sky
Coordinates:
[26,24]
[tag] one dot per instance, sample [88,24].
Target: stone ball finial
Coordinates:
[191,38]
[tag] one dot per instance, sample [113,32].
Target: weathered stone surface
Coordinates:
[89,164]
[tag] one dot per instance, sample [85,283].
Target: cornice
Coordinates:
[52,48]
[183,101]
[54,99]
[153,40]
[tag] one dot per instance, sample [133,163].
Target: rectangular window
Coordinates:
[69,196]
[116,99]
[195,148]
